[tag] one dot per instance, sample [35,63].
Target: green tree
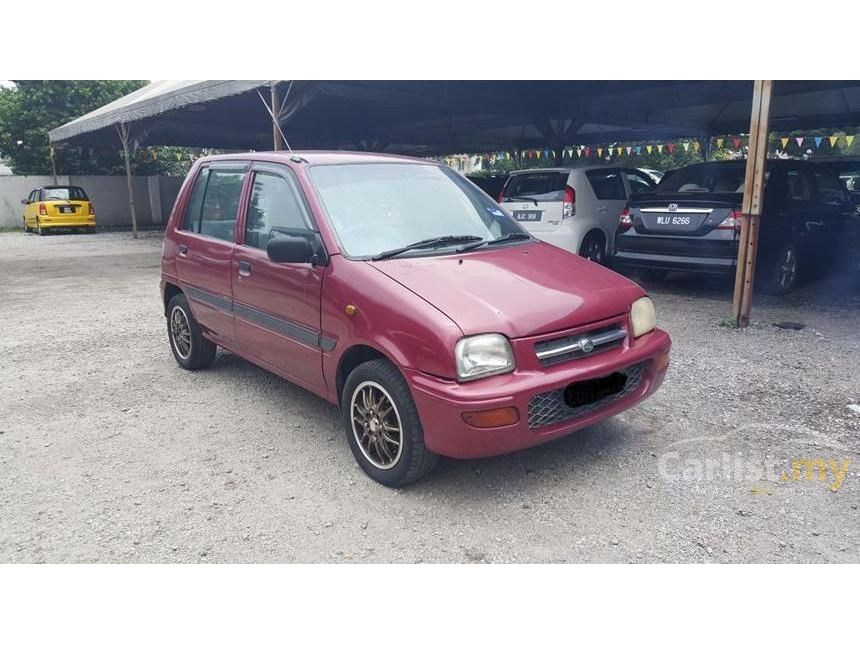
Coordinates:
[30,109]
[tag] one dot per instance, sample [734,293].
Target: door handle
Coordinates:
[244,268]
[183,250]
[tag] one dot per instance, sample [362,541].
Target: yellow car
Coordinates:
[52,207]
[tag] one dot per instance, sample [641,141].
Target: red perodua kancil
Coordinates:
[396,289]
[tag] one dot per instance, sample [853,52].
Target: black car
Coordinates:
[692,222]
[490,184]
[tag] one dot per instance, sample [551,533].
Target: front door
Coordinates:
[277,305]
[205,240]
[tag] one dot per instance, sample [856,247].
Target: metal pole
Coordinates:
[276,108]
[53,165]
[752,204]
[123,136]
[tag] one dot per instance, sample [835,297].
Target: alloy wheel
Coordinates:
[376,425]
[180,333]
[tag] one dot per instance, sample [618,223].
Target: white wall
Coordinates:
[153,197]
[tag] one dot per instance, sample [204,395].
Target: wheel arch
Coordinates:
[351,358]
[170,290]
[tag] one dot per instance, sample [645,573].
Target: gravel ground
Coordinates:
[111,453]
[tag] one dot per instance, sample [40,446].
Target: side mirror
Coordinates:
[290,249]
[25,202]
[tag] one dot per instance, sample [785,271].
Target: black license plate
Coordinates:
[586,392]
[67,209]
[527,216]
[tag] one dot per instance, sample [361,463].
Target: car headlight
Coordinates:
[484,355]
[642,316]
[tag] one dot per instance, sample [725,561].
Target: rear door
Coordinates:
[610,198]
[536,199]
[277,305]
[205,239]
[829,210]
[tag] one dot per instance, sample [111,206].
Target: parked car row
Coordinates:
[691,220]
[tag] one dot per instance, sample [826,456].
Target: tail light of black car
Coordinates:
[732,222]
[625,222]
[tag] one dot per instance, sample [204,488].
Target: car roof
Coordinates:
[320,157]
[567,169]
[57,186]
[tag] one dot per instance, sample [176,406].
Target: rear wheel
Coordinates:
[382,425]
[593,247]
[190,349]
[779,273]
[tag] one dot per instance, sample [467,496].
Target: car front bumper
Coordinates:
[441,403]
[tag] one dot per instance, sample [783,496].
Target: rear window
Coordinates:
[62,193]
[705,178]
[539,186]
[606,184]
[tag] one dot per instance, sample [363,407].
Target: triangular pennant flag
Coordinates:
[818,141]
[784,141]
[553,154]
[608,153]
[799,141]
[579,152]
[849,139]
[619,149]
[522,153]
[720,143]
[546,153]
[833,140]
[507,155]
[600,152]
[696,146]
[671,147]
[531,154]
[587,151]
[649,148]
[686,145]
[660,148]
[736,142]
[638,150]
[629,148]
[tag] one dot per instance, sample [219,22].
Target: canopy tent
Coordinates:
[440,117]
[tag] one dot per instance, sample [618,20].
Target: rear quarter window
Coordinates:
[606,184]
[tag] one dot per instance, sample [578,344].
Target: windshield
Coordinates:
[378,207]
[60,193]
[705,178]
[537,186]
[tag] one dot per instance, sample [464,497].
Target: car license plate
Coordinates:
[527,216]
[66,209]
[679,221]
[587,392]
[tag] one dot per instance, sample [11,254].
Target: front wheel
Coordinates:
[382,425]
[190,349]
[779,274]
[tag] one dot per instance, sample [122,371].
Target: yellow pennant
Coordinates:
[833,141]
[849,139]
[507,155]
[600,152]
[784,141]
[660,148]
[619,149]
[649,148]
[696,146]
[720,143]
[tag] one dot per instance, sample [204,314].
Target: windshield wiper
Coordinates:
[429,243]
[522,199]
[499,240]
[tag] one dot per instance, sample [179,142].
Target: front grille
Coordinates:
[559,350]
[548,408]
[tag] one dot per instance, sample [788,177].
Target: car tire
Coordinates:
[593,247]
[39,228]
[391,458]
[779,272]
[190,349]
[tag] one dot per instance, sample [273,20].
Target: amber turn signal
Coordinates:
[495,418]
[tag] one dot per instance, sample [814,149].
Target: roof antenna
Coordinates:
[275,120]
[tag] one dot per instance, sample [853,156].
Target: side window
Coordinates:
[796,186]
[827,187]
[191,218]
[607,183]
[638,183]
[275,207]
[221,203]
[32,197]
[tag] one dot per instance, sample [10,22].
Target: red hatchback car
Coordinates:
[396,289]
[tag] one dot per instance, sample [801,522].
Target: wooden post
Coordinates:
[276,110]
[122,128]
[752,204]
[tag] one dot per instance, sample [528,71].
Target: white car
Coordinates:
[656,175]
[576,209]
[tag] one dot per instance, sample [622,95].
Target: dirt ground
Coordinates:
[111,453]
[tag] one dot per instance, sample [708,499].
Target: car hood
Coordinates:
[517,290]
